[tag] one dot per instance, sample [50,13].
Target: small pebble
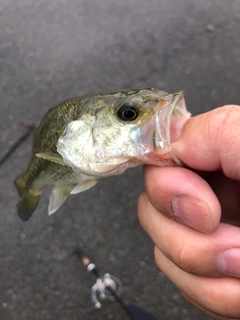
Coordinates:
[210,27]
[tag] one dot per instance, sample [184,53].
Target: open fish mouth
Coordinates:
[161,140]
[154,136]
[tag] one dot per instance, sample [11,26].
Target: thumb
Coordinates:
[211,141]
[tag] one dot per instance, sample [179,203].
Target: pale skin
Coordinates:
[193,214]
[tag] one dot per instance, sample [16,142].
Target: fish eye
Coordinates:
[127,112]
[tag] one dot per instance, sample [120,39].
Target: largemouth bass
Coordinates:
[85,139]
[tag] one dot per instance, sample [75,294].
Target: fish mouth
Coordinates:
[161,140]
[155,134]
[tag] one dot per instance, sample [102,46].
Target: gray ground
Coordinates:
[52,50]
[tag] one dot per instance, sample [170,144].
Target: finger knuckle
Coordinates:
[220,122]
[185,260]
[223,136]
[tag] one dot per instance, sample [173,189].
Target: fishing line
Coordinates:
[14,147]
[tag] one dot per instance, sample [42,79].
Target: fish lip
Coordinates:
[154,136]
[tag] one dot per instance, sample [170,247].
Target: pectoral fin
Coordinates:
[54,157]
[83,187]
[58,196]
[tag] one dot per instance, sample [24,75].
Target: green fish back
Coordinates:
[44,140]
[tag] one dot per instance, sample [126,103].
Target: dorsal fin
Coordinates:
[20,184]
[28,203]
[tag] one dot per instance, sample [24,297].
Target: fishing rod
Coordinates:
[109,287]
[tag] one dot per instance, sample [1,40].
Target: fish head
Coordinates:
[122,130]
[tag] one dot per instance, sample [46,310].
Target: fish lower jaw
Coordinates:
[104,168]
[164,159]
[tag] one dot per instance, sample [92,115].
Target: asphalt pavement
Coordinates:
[54,50]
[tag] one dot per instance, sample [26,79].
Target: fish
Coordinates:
[86,138]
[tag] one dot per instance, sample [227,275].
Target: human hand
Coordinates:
[193,214]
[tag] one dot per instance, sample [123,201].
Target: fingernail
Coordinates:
[192,212]
[229,262]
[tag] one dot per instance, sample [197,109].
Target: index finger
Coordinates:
[211,141]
